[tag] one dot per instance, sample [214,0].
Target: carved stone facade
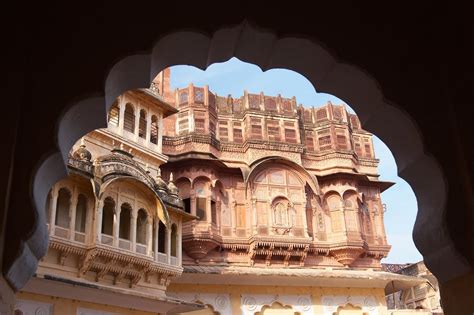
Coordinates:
[274,183]
[115,225]
[188,198]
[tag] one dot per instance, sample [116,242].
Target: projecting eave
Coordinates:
[361,178]
[150,97]
[184,215]
[299,277]
[102,294]
[198,156]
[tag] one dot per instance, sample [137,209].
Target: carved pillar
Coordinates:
[160,132]
[179,249]
[149,239]
[98,220]
[192,198]
[155,247]
[133,230]
[54,205]
[72,214]
[148,127]
[208,208]
[137,121]
[122,112]
[115,230]
[233,217]
[168,245]
[253,208]
[344,222]
[304,219]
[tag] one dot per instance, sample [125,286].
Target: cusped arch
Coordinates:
[266,50]
[184,185]
[201,178]
[160,211]
[352,196]
[282,308]
[332,200]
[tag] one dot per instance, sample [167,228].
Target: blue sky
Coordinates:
[233,77]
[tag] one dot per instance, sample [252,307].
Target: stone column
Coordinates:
[233,217]
[137,120]
[304,219]
[133,230]
[253,216]
[115,230]
[148,127]
[179,246]
[72,214]
[192,201]
[53,205]
[160,132]
[149,238]
[122,113]
[168,245]
[155,247]
[208,209]
[98,220]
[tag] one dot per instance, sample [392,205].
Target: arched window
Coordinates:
[334,202]
[62,208]
[81,213]
[161,238]
[141,226]
[280,214]
[174,239]
[108,216]
[114,115]
[129,118]
[201,208]
[124,229]
[154,130]
[201,189]
[142,124]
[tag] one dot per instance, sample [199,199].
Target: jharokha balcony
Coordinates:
[113,226]
[114,223]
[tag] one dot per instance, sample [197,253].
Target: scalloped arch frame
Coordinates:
[266,50]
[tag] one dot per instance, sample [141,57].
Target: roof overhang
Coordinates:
[298,277]
[361,178]
[128,299]
[152,98]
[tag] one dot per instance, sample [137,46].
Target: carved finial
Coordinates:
[130,150]
[172,187]
[82,153]
[159,181]
[146,168]
[121,146]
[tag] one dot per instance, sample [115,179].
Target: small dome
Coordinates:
[82,153]
[171,186]
[159,181]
